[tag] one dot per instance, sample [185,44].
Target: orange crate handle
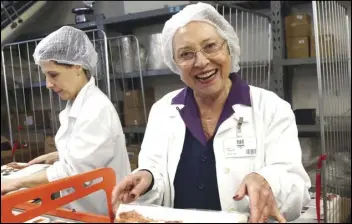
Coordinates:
[44,192]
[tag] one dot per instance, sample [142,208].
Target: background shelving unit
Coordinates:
[283,69]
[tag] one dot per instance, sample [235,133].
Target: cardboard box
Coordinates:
[135,116]
[297,25]
[133,98]
[327,43]
[133,152]
[50,145]
[297,47]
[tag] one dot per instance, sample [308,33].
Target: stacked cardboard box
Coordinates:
[133,106]
[300,38]
[133,152]
[298,31]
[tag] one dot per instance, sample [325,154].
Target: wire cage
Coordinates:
[333,55]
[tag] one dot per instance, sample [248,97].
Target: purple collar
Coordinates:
[239,94]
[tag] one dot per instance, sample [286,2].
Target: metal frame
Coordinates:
[277,80]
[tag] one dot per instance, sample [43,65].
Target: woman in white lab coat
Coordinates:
[219,143]
[90,134]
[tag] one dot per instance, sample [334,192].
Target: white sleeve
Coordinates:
[283,168]
[89,147]
[152,156]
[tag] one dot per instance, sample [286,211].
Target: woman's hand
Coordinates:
[131,188]
[9,186]
[261,199]
[49,158]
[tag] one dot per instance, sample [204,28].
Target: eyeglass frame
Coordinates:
[183,63]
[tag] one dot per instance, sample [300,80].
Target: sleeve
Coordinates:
[283,168]
[89,147]
[152,156]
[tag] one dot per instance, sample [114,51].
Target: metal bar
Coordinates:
[269,59]
[32,98]
[321,97]
[7,98]
[241,9]
[24,99]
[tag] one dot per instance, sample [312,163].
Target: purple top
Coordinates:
[239,94]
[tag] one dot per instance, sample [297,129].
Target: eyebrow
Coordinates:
[205,40]
[52,73]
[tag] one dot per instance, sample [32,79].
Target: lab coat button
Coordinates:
[203,158]
[231,210]
[201,186]
[227,170]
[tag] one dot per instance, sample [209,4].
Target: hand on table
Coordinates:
[49,158]
[131,188]
[9,186]
[261,199]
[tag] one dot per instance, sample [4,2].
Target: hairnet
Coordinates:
[67,45]
[205,13]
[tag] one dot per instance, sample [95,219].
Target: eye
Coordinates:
[186,55]
[210,46]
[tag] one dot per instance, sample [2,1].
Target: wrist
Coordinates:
[151,184]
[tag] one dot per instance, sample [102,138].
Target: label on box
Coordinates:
[28,121]
[301,41]
[299,17]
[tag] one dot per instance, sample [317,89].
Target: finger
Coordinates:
[140,187]
[114,196]
[126,198]
[264,199]
[265,214]
[279,217]
[119,189]
[254,204]
[241,192]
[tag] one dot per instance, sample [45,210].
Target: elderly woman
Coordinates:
[90,135]
[219,143]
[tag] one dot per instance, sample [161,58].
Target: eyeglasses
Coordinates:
[187,57]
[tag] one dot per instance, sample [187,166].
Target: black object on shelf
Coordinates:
[305,116]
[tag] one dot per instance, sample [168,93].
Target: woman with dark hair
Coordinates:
[90,134]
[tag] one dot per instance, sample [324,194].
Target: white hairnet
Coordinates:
[67,45]
[205,13]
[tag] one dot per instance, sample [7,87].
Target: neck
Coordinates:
[215,100]
[83,82]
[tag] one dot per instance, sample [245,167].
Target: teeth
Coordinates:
[206,75]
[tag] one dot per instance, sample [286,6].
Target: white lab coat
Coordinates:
[90,137]
[270,122]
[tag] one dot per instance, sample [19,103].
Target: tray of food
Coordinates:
[134,213]
[18,170]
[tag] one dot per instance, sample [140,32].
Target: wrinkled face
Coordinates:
[64,80]
[208,70]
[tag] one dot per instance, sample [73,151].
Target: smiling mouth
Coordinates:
[206,76]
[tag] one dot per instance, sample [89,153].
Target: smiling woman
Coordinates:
[209,145]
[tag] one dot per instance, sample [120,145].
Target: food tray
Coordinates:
[163,214]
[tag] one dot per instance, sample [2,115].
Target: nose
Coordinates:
[200,61]
[49,85]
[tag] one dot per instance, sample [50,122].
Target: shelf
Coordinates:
[147,73]
[307,61]
[146,18]
[131,130]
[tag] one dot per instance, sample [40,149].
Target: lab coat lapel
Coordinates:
[178,129]
[63,117]
[239,111]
